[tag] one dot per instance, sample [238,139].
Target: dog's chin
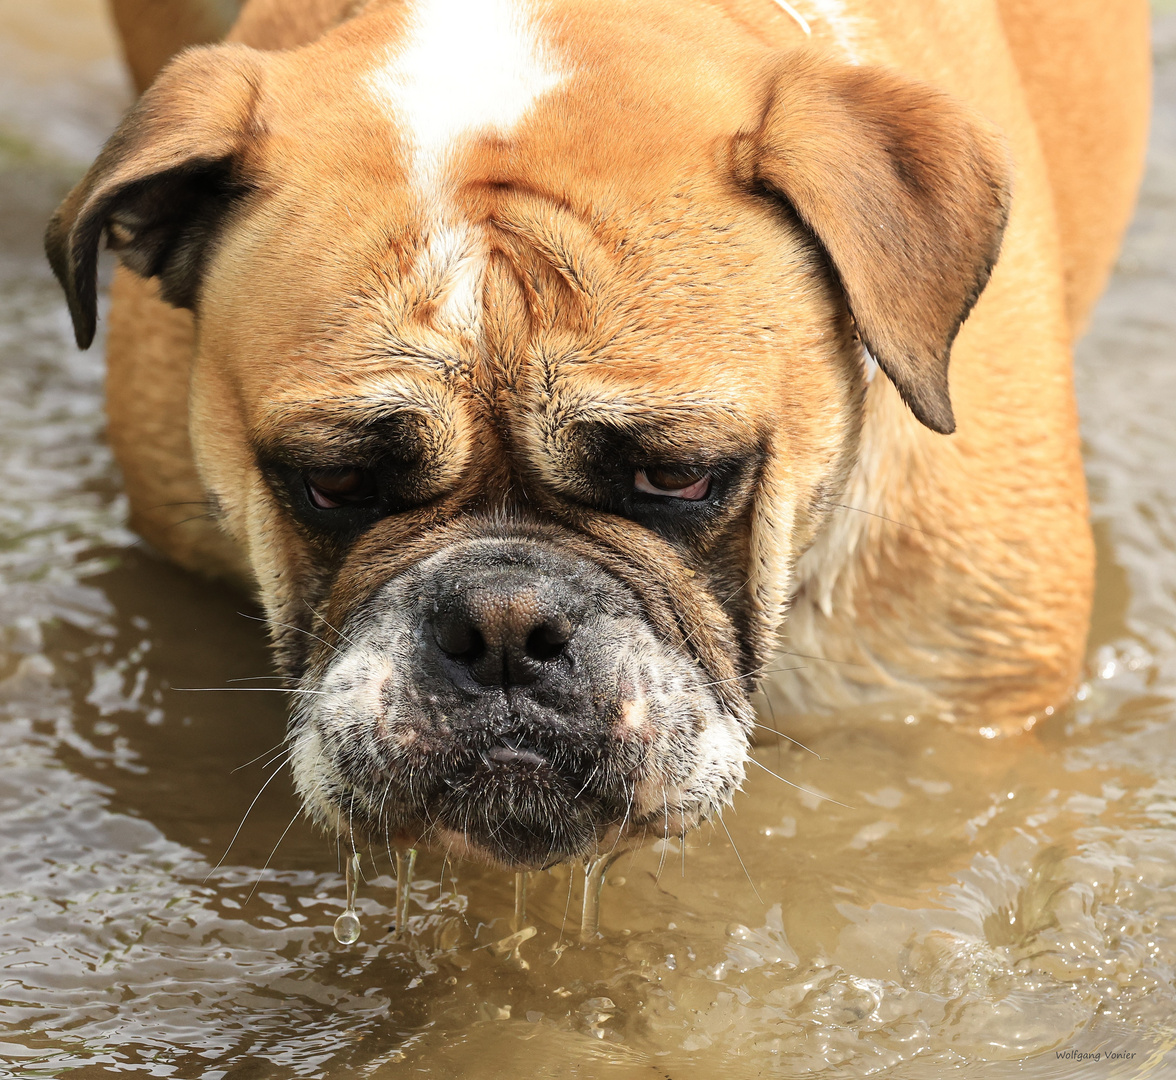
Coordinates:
[414,732]
[515,807]
[509,806]
[519,813]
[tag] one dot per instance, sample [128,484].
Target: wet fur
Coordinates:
[676,254]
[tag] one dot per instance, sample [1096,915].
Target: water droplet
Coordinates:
[405,862]
[347,928]
[594,871]
[520,907]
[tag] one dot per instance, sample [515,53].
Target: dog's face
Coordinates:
[523,438]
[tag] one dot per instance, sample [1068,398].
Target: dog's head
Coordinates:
[522,406]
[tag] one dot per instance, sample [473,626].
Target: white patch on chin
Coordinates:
[720,764]
[467,66]
[346,704]
[308,766]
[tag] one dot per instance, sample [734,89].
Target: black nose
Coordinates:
[506,626]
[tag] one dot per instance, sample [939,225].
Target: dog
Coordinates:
[540,362]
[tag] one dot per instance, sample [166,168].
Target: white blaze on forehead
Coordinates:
[452,262]
[465,66]
[831,16]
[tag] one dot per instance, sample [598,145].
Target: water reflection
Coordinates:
[934,904]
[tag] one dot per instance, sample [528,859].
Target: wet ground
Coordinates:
[987,908]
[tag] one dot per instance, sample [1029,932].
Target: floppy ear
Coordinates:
[164,182]
[905,189]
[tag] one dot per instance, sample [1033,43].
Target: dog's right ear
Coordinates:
[907,192]
[164,182]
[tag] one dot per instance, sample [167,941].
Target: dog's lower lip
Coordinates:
[509,755]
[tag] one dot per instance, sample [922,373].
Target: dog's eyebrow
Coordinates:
[684,425]
[688,440]
[339,439]
[369,418]
[340,429]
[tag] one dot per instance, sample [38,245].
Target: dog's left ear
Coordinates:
[905,189]
[164,182]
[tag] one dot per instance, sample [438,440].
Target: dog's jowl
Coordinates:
[540,361]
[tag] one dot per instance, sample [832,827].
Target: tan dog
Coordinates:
[519,350]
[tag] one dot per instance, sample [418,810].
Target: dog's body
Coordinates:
[570,234]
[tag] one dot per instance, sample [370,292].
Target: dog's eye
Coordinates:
[674,482]
[330,489]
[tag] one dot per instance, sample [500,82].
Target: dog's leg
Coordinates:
[149,344]
[153,31]
[1085,67]
[149,351]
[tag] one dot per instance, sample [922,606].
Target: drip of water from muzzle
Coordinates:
[347,926]
[405,862]
[520,908]
[594,871]
[508,947]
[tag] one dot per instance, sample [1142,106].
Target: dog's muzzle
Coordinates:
[511,701]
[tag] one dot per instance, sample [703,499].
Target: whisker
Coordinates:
[722,603]
[740,858]
[790,739]
[256,678]
[244,818]
[277,746]
[823,659]
[335,628]
[666,838]
[900,524]
[276,761]
[814,794]
[772,709]
[745,675]
[591,776]
[246,690]
[291,626]
[194,517]
[261,875]
[380,818]
[620,831]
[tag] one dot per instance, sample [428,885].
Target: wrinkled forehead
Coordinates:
[355,412]
[506,312]
[464,198]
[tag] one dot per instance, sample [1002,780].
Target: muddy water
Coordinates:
[939,904]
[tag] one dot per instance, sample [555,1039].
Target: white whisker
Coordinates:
[740,858]
[790,739]
[245,690]
[244,818]
[261,875]
[814,794]
[335,628]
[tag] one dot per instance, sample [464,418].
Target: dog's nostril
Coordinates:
[502,627]
[457,637]
[546,642]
